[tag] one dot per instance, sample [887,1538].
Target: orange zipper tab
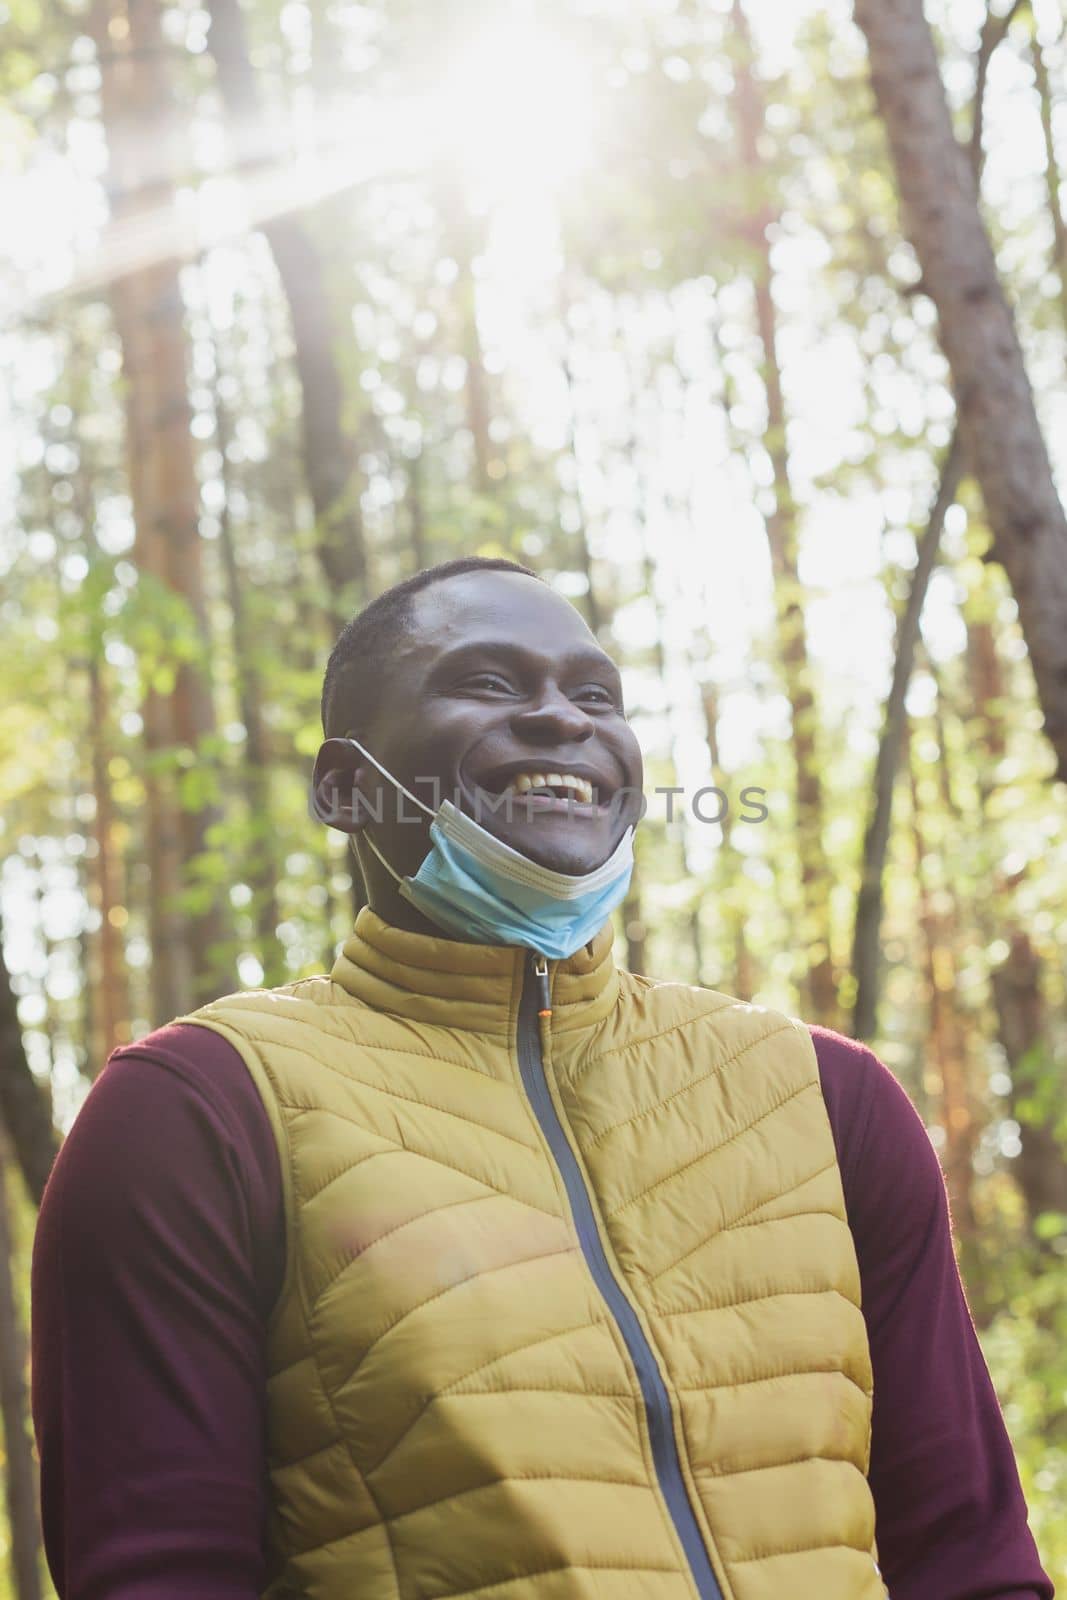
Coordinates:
[544,994]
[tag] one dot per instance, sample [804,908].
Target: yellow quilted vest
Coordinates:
[571,1307]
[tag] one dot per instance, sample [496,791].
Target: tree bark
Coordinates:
[477,380]
[256,774]
[744,970]
[417,534]
[594,611]
[634,927]
[994,32]
[25,1104]
[947,1041]
[866,966]
[330,448]
[1041,1166]
[20,1470]
[998,420]
[1053,185]
[781,526]
[143,139]
[110,1003]
[462,239]
[1022,1016]
[866,961]
[107,1003]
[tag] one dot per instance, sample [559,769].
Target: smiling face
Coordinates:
[499,694]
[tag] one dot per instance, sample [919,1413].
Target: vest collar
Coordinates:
[473,986]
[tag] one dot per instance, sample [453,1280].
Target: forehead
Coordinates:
[493,607]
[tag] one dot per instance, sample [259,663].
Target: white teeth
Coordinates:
[523,782]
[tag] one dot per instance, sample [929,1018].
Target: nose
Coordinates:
[555,719]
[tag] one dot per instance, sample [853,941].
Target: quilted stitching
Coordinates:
[712,1150]
[694,1083]
[352,1083]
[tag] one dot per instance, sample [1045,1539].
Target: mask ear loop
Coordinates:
[391,870]
[397,785]
[386,774]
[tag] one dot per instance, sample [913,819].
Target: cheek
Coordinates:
[630,758]
[438,749]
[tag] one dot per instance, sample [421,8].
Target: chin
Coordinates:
[574,857]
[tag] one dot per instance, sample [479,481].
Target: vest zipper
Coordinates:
[534,1004]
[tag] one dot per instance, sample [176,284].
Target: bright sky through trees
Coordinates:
[536,278]
[518,111]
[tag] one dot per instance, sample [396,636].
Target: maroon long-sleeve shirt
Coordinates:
[159,1252]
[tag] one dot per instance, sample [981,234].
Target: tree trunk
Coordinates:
[256,773]
[947,1040]
[330,447]
[744,972]
[866,964]
[25,1104]
[140,122]
[1041,1167]
[107,1002]
[866,960]
[1022,1018]
[998,421]
[637,382]
[594,613]
[696,943]
[49,1026]
[420,550]
[945,781]
[20,1470]
[477,382]
[172,965]
[994,32]
[1053,186]
[110,998]
[461,237]
[634,927]
[781,525]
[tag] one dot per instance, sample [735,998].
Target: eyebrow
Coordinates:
[589,659]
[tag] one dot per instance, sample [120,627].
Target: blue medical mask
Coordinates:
[480,889]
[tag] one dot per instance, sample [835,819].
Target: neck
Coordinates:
[385,899]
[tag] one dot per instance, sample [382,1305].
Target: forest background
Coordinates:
[745,324]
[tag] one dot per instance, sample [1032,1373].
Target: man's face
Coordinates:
[499,689]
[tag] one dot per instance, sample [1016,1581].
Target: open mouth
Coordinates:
[552,786]
[542,790]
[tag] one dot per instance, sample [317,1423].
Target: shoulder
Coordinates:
[689,1005]
[889,1168]
[852,1079]
[284,1014]
[157,1118]
[171,1152]
[715,1029]
[298,998]
[865,1100]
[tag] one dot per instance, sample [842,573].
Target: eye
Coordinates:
[597,693]
[492,681]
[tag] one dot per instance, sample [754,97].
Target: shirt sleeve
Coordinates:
[951,1518]
[158,1252]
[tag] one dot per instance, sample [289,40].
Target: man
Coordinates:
[482,1268]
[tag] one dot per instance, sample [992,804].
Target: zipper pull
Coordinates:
[540,971]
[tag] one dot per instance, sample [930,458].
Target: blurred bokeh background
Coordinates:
[299,296]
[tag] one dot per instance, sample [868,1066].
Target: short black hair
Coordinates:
[355,665]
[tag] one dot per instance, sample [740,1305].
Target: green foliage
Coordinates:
[1026,1347]
[603,318]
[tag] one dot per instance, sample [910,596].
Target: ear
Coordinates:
[334,798]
